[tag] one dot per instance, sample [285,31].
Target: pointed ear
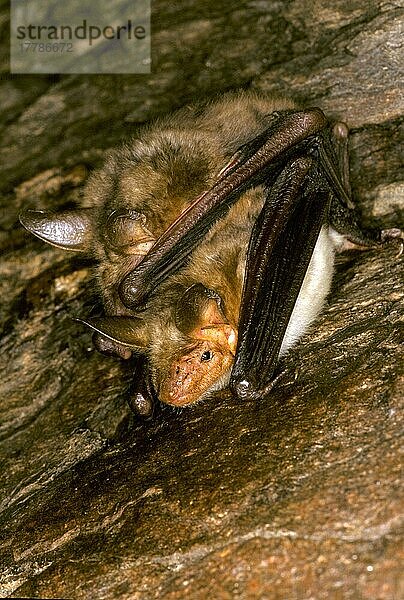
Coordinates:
[70,230]
[198,308]
[127,331]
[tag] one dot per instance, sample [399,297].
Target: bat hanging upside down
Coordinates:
[215,231]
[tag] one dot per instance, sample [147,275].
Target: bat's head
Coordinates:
[196,353]
[189,342]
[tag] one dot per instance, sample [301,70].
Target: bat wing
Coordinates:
[312,190]
[260,160]
[292,134]
[280,249]
[302,162]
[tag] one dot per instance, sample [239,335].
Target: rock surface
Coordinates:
[293,497]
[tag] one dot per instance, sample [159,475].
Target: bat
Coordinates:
[215,231]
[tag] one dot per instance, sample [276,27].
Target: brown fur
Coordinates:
[172,161]
[158,174]
[143,187]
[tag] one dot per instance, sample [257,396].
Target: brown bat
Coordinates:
[215,231]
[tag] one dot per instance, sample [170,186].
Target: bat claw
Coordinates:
[387,235]
[132,295]
[246,390]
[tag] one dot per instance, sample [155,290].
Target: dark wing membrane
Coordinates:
[267,152]
[296,159]
[280,249]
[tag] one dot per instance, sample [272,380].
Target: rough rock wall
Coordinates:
[296,496]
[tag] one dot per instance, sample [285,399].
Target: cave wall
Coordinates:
[294,496]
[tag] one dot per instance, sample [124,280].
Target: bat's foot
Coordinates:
[377,240]
[246,390]
[387,235]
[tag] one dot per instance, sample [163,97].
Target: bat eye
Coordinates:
[207,355]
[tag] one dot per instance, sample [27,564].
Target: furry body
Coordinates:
[157,175]
[189,327]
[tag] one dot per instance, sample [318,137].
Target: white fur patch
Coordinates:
[316,285]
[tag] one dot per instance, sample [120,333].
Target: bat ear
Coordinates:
[126,331]
[198,308]
[70,230]
[126,232]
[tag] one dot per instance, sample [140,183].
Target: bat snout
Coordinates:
[194,373]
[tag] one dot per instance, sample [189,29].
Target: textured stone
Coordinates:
[296,496]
